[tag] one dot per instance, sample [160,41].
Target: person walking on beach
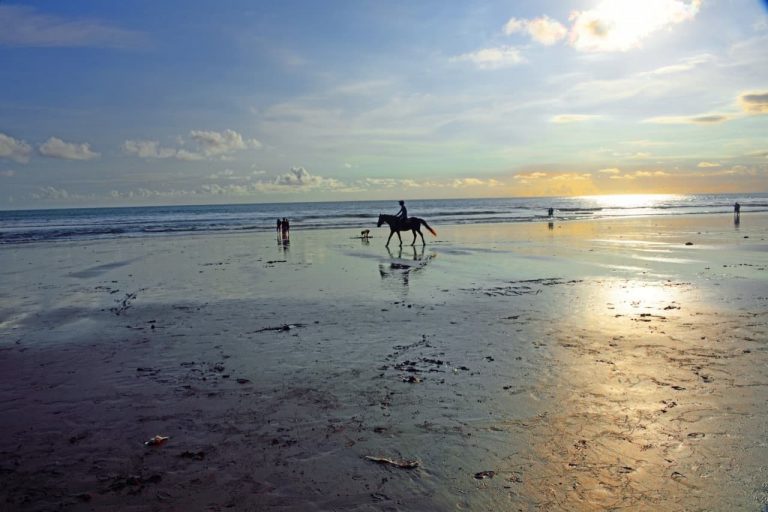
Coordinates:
[736,213]
[279,225]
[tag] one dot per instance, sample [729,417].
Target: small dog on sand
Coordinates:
[366,233]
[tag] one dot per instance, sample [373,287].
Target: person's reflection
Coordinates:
[283,241]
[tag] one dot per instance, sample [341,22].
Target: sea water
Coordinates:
[23,226]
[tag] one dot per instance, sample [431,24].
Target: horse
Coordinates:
[396,225]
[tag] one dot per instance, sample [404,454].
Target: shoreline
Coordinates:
[594,365]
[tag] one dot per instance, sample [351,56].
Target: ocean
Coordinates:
[25,226]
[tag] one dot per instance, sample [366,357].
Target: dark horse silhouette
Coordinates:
[396,225]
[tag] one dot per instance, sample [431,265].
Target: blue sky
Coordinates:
[123,103]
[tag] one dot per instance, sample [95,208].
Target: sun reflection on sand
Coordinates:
[625,433]
[636,296]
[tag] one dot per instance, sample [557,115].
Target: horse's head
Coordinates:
[381,221]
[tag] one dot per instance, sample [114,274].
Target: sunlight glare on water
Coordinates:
[631,200]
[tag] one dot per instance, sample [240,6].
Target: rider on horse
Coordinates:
[403,213]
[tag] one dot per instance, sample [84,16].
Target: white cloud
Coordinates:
[299,177]
[16,150]
[681,67]
[475,182]
[650,174]
[189,156]
[227,190]
[227,174]
[543,30]
[147,149]
[53,193]
[530,176]
[612,170]
[207,145]
[620,25]
[493,58]
[213,143]
[707,164]
[571,177]
[26,26]
[57,148]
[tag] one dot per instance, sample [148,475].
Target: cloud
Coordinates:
[227,174]
[493,58]
[227,190]
[8,173]
[529,176]
[705,119]
[571,177]
[474,182]
[639,174]
[54,193]
[147,149]
[218,143]
[573,118]
[16,150]
[543,30]
[707,164]
[189,156]
[620,25]
[754,102]
[57,148]
[25,26]
[300,178]
[205,145]
[685,65]
[650,174]
[612,170]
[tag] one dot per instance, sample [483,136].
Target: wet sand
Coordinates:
[596,365]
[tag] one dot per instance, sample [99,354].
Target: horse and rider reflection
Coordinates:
[401,268]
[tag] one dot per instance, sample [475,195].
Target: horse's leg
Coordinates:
[422,238]
[399,238]
[390,238]
[414,236]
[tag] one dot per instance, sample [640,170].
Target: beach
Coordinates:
[581,365]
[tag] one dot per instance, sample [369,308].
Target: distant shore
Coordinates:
[580,365]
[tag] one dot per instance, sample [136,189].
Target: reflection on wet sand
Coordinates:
[284,241]
[648,401]
[399,268]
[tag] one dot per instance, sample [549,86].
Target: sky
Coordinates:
[202,102]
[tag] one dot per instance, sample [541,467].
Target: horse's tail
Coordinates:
[434,233]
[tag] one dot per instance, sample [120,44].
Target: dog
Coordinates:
[365,234]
